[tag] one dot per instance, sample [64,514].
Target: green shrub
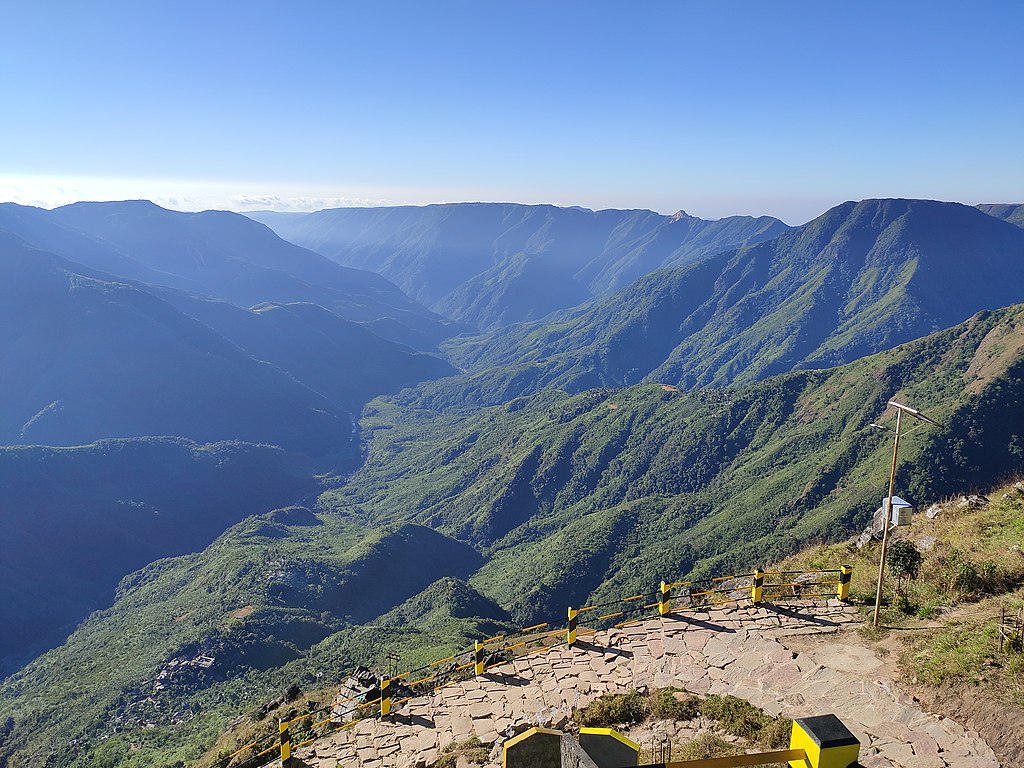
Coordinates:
[706,746]
[665,705]
[734,715]
[777,734]
[474,750]
[902,603]
[613,709]
[904,561]
[963,575]
[1015,643]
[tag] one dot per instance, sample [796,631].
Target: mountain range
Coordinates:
[92,356]
[77,520]
[1007,212]
[258,464]
[223,255]
[493,264]
[88,357]
[859,279]
[458,523]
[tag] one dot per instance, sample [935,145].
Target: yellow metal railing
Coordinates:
[670,597]
[738,761]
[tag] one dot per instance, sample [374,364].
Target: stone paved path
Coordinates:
[740,651]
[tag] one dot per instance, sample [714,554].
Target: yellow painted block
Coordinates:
[826,741]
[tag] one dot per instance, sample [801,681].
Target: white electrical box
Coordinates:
[902,511]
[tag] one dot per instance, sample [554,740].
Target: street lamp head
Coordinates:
[914,412]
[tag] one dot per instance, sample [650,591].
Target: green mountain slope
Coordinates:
[339,359]
[571,495]
[859,279]
[543,502]
[77,520]
[269,603]
[491,264]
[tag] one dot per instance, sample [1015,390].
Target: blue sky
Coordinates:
[718,107]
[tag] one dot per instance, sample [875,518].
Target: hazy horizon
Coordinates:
[716,109]
[305,204]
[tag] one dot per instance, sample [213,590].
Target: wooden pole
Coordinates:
[887,513]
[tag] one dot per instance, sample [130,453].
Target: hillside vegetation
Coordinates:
[544,502]
[220,254]
[77,520]
[600,492]
[280,598]
[88,357]
[942,607]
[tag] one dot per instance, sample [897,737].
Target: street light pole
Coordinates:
[887,511]
[886,514]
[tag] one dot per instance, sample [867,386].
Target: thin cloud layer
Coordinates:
[247,202]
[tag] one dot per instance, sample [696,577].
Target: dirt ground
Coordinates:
[1001,725]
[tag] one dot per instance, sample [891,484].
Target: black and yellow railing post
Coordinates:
[385,697]
[285,741]
[478,658]
[825,742]
[570,632]
[757,591]
[663,599]
[843,590]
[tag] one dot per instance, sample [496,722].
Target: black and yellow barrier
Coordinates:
[285,741]
[385,697]
[478,657]
[787,585]
[608,748]
[664,601]
[535,748]
[845,577]
[570,632]
[826,742]
[815,742]
[699,594]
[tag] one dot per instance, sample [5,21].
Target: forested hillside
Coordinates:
[515,511]
[220,254]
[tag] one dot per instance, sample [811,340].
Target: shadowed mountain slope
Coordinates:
[270,603]
[861,278]
[77,520]
[339,359]
[87,357]
[491,264]
[220,254]
[1007,212]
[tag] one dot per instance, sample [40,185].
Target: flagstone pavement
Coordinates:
[739,650]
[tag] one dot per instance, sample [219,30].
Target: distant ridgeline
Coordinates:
[492,264]
[859,279]
[296,522]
